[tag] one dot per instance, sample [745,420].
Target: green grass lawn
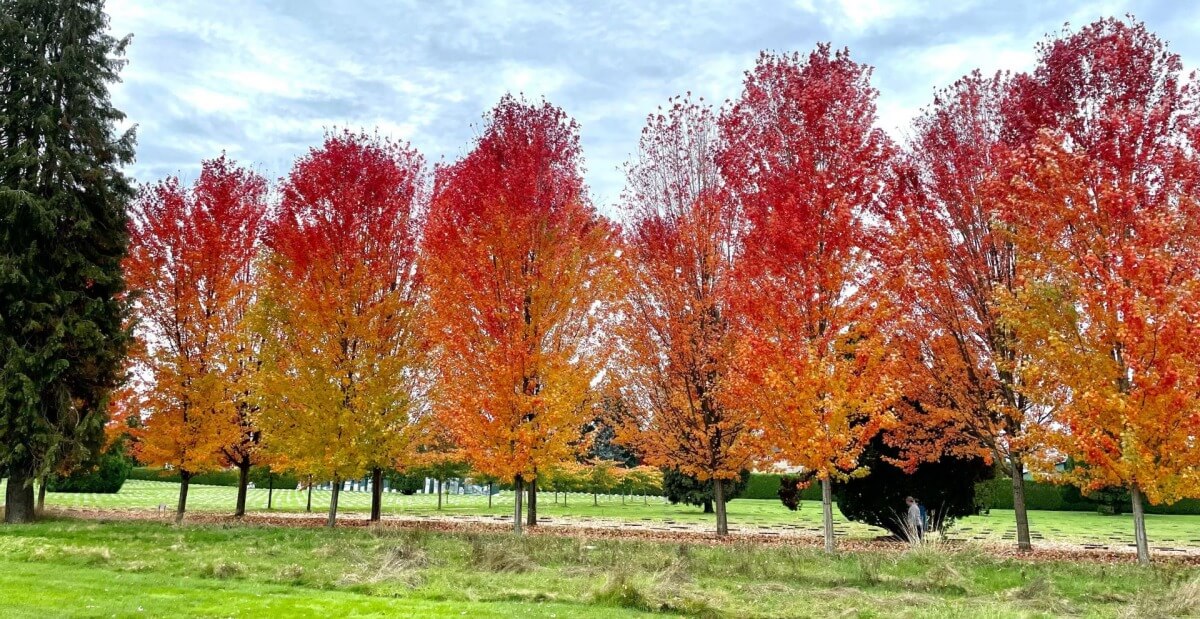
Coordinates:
[1166,531]
[91,569]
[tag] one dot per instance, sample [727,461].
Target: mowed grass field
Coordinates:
[1168,533]
[75,568]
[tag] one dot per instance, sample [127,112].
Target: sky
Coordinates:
[262,80]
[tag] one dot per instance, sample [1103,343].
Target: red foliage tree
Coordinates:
[683,237]
[339,312]
[1108,195]
[519,267]
[949,256]
[191,252]
[809,169]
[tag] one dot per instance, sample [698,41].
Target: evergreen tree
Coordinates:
[945,486]
[62,237]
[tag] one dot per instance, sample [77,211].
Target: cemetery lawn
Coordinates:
[63,567]
[1116,532]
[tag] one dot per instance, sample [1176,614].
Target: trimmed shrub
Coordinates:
[1051,497]
[406,483]
[762,486]
[260,475]
[766,486]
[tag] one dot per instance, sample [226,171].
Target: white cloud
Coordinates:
[263,80]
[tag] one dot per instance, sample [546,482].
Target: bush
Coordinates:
[105,476]
[405,483]
[766,486]
[680,488]
[762,486]
[793,488]
[946,488]
[1050,497]
[260,475]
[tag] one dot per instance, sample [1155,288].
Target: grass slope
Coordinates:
[77,568]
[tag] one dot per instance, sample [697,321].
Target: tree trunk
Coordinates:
[531,510]
[185,479]
[308,508]
[719,503]
[41,497]
[827,512]
[337,487]
[243,483]
[518,493]
[438,483]
[376,494]
[1139,525]
[595,502]
[1024,542]
[270,490]
[490,490]
[18,497]
[708,506]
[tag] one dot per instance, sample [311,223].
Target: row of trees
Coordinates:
[1018,282]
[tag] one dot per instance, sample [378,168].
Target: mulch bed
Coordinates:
[1041,552]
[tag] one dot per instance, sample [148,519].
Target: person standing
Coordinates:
[915,523]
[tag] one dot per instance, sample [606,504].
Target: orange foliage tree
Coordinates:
[948,258]
[1108,211]
[190,260]
[809,170]
[677,342]
[338,314]
[520,271]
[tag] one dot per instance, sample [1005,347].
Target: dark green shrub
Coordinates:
[946,488]
[406,483]
[260,475]
[766,486]
[1050,497]
[680,488]
[106,475]
[792,489]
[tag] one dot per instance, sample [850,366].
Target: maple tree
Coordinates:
[683,235]
[644,480]
[1108,194]
[190,258]
[436,456]
[948,257]
[602,477]
[339,313]
[809,169]
[520,272]
[565,477]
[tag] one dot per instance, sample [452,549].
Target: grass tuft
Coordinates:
[292,573]
[870,568]
[223,569]
[497,555]
[90,555]
[1179,601]
[620,590]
